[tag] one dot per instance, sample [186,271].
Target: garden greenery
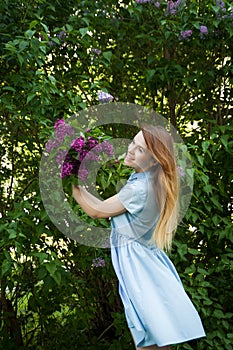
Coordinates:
[59,57]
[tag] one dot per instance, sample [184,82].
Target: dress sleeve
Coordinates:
[133,196]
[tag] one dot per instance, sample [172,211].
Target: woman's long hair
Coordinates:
[165,181]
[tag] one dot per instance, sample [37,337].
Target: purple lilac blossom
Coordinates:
[172,7]
[96,51]
[91,142]
[83,154]
[67,169]
[185,34]
[142,1]
[107,148]
[61,130]
[180,171]
[98,262]
[61,157]
[221,4]
[203,31]
[104,97]
[58,123]
[91,156]
[61,35]
[83,174]
[64,130]
[49,146]
[157,4]
[78,144]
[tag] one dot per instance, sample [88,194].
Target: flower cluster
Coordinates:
[173,7]
[203,31]
[221,5]
[185,34]
[222,12]
[61,130]
[156,3]
[83,150]
[104,97]
[142,1]
[96,51]
[98,262]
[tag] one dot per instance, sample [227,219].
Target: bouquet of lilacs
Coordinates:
[84,150]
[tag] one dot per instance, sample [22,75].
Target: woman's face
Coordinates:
[138,156]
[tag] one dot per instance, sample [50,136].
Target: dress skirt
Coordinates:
[157,308]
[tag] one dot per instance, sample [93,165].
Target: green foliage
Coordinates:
[52,296]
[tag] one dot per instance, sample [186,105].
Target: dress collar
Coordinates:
[140,175]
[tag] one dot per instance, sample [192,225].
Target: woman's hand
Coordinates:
[75,190]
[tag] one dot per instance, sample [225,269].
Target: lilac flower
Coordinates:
[83,154]
[104,97]
[96,51]
[82,150]
[142,1]
[107,148]
[221,4]
[203,31]
[49,146]
[83,174]
[185,34]
[173,7]
[91,142]
[61,35]
[98,148]
[180,171]
[157,4]
[98,262]
[62,129]
[67,169]
[61,157]
[58,123]
[51,43]
[78,144]
[91,156]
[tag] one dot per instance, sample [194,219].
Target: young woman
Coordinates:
[143,219]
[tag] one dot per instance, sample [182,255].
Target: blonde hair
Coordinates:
[165,181]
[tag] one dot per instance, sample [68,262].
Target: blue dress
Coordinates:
[157,308]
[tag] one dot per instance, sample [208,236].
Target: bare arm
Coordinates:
[96,208]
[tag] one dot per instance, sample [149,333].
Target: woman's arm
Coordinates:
[96,208]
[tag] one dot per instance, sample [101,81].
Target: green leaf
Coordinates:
[51,267]
[83,31]
[107,55]
[30,97]
[23,45]
[6,266]
[29,33]
[33,24]
[205,145]
[150,74]
[57,277]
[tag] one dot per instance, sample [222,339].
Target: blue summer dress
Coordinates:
[157,308]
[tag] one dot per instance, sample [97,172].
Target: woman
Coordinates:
[143,219]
